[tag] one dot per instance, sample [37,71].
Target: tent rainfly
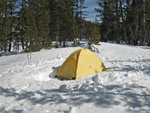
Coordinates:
[80,63]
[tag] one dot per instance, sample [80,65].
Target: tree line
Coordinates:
[125,21]
[36,24]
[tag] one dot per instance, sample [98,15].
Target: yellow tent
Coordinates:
[80,63]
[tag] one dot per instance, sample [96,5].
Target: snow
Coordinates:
[28,85]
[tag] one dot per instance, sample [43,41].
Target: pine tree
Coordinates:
[81,7]
[75,33]
[64,23]
[22,23]
[94,35]
[106,11]
[8,23]
[64,20]
[2,36]
[53,8]
[31,27]
[147,22]
[43,20]
[12,18]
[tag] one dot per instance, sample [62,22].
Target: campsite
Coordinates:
[74,56]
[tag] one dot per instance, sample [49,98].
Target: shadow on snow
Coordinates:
[102,96]
[142,65]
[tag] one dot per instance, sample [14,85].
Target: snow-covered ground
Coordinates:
[28,85]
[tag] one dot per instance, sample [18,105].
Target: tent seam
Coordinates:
[77,64]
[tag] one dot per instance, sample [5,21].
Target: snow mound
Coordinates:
[40,74]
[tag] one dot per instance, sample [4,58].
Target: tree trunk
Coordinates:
[121,11]
[144,17]
[9,46]
[64,43]
[144,22]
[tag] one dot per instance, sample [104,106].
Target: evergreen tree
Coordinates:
[2,36]
[106,12]
[53,8]
[42,21]
[64,21]
[94,35]
[31,27]
[22,23]
[7,23]
[75,33]
[80,17]
[147,21]
[12,21]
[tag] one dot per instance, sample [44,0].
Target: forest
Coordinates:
[125,21]
[36,24]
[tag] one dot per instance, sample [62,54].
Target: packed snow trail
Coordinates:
[30,86]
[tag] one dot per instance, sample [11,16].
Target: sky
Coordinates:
[91,13]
